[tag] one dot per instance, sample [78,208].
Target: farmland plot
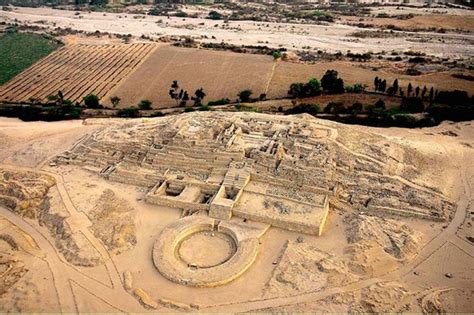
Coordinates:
[221,74]
[76,70]
[287,73]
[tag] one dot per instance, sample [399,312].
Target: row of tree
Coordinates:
[380,85]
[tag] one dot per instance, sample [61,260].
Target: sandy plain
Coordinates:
[331,38]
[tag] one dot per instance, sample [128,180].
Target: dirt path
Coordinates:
[63,272]
[270,77]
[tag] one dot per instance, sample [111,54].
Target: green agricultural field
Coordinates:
[19,51]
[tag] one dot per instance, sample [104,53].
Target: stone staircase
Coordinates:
[236,177]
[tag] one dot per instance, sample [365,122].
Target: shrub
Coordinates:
[417,60]
[276,54]
[188,109]
[91,101]
[130,112]
[115,100]
[456,97]
[181,14]
[404,120]
[413,71]
[356,88]
[52,98]
[145,104]
[442,112]
[412,105]
[380,104]
[356,108]
[335,108]
[311,109]
[157,114]
[222,101]
[214,15]
[244,95]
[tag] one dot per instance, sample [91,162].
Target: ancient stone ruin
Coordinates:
[225,169]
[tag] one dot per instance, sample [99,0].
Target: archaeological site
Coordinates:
[219,211]
[227,156]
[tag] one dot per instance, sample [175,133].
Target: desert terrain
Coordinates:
[83,215]
[195,158]
[335,37]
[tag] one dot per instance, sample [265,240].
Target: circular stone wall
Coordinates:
[194,252]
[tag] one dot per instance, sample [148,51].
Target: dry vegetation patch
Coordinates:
[24,192]
[113,222]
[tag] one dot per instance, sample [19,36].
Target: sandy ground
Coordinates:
[450,22]
[291,36]
[42,140]
[437,275]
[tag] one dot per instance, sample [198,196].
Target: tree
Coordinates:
[199,95]
[184,99]
[173,93]
[144,104]
[331,83]
[300,90]
[115,100]
[91,101]
[417,91]
[276,54]
[395,85]
[60,97]
[376,83]
[339,86]
[296,90]
[244,95]
[180,96]
[423,92]
[390,91]
[313,87]
[409,89]
[431,95]
[383,86]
